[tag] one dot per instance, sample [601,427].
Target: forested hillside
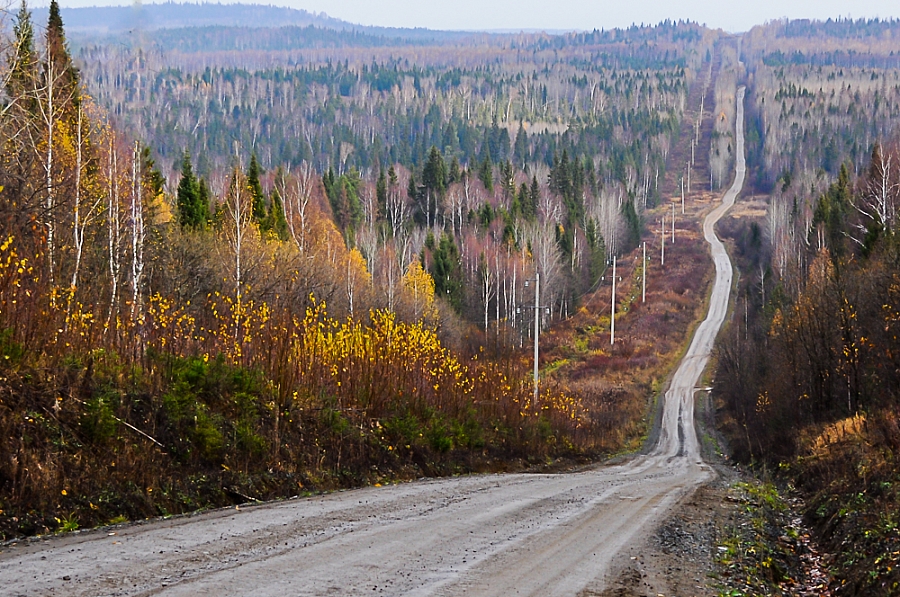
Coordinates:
[230,275]
[507,144]
[808,373]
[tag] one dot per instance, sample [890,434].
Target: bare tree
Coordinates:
[114,228]
[138,234]
[296,202]
[877,204]
[85,211]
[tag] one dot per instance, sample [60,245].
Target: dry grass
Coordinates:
[621,380]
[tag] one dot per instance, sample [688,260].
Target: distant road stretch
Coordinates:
[541,535]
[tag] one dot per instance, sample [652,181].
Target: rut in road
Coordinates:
[547,535]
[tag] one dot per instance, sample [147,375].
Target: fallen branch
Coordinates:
[136,430]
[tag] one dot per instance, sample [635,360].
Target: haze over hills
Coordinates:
[171,15]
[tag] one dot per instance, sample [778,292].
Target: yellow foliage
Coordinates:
[419,287]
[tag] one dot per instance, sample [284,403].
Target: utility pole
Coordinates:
[612,317]
[682,194]
[662,244]
[537,327]
[644,275]
[673,222]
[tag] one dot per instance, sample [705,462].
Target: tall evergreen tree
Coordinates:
[58,68]
[393,180]
[275,221]
[193,206]
[434,175]
[257,196]
[204,200]
[381,192]
[22,59]
[486,173]
[534,197]
[520,150]
[446,269]
[521,205]
[454,174]
[412,189]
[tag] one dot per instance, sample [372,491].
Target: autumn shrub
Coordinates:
[439,436]
[198,404]
[11,352]
[98,422]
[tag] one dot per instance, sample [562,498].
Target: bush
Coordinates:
[207,435]
[438,437]
[406,428]
[98,423]
[248,440]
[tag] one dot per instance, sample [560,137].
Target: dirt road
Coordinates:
[506,535]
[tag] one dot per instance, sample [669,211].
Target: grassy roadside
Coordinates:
[626,380]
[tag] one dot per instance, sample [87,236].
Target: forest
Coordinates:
[225,281]
[519,144]
[807,372]
[248,264]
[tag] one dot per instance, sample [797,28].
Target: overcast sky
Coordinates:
[571,14]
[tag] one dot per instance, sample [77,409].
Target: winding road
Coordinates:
[522,534]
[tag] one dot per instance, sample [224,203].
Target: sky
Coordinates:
[570,14]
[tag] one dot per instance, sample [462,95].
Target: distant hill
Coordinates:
[171,15]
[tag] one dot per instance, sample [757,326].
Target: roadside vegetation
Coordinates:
[807,372]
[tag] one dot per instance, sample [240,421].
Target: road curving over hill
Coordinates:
[521,534]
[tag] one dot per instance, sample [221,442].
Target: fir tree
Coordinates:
[434,175]
[446,270]
[22,59]
[534,197]
[520,151]
[454,174]
[275,221]
[191,198]
[59,69]
[486,173]
[381,192]
[256,192]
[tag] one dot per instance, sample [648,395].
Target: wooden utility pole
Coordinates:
[644,275]
[537,328]
[673,222]
[662,244]
[612,317]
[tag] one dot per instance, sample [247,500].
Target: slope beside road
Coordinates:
[519,534]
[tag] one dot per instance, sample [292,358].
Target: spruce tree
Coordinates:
[256,193]
[520,151]
[434,174]
[446,269]
[201,207]
[381,192]
[59,70]
[486,173]
[275,221]
[521,204]
[534,197]
[193,208]
[22,59]
[454,174]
